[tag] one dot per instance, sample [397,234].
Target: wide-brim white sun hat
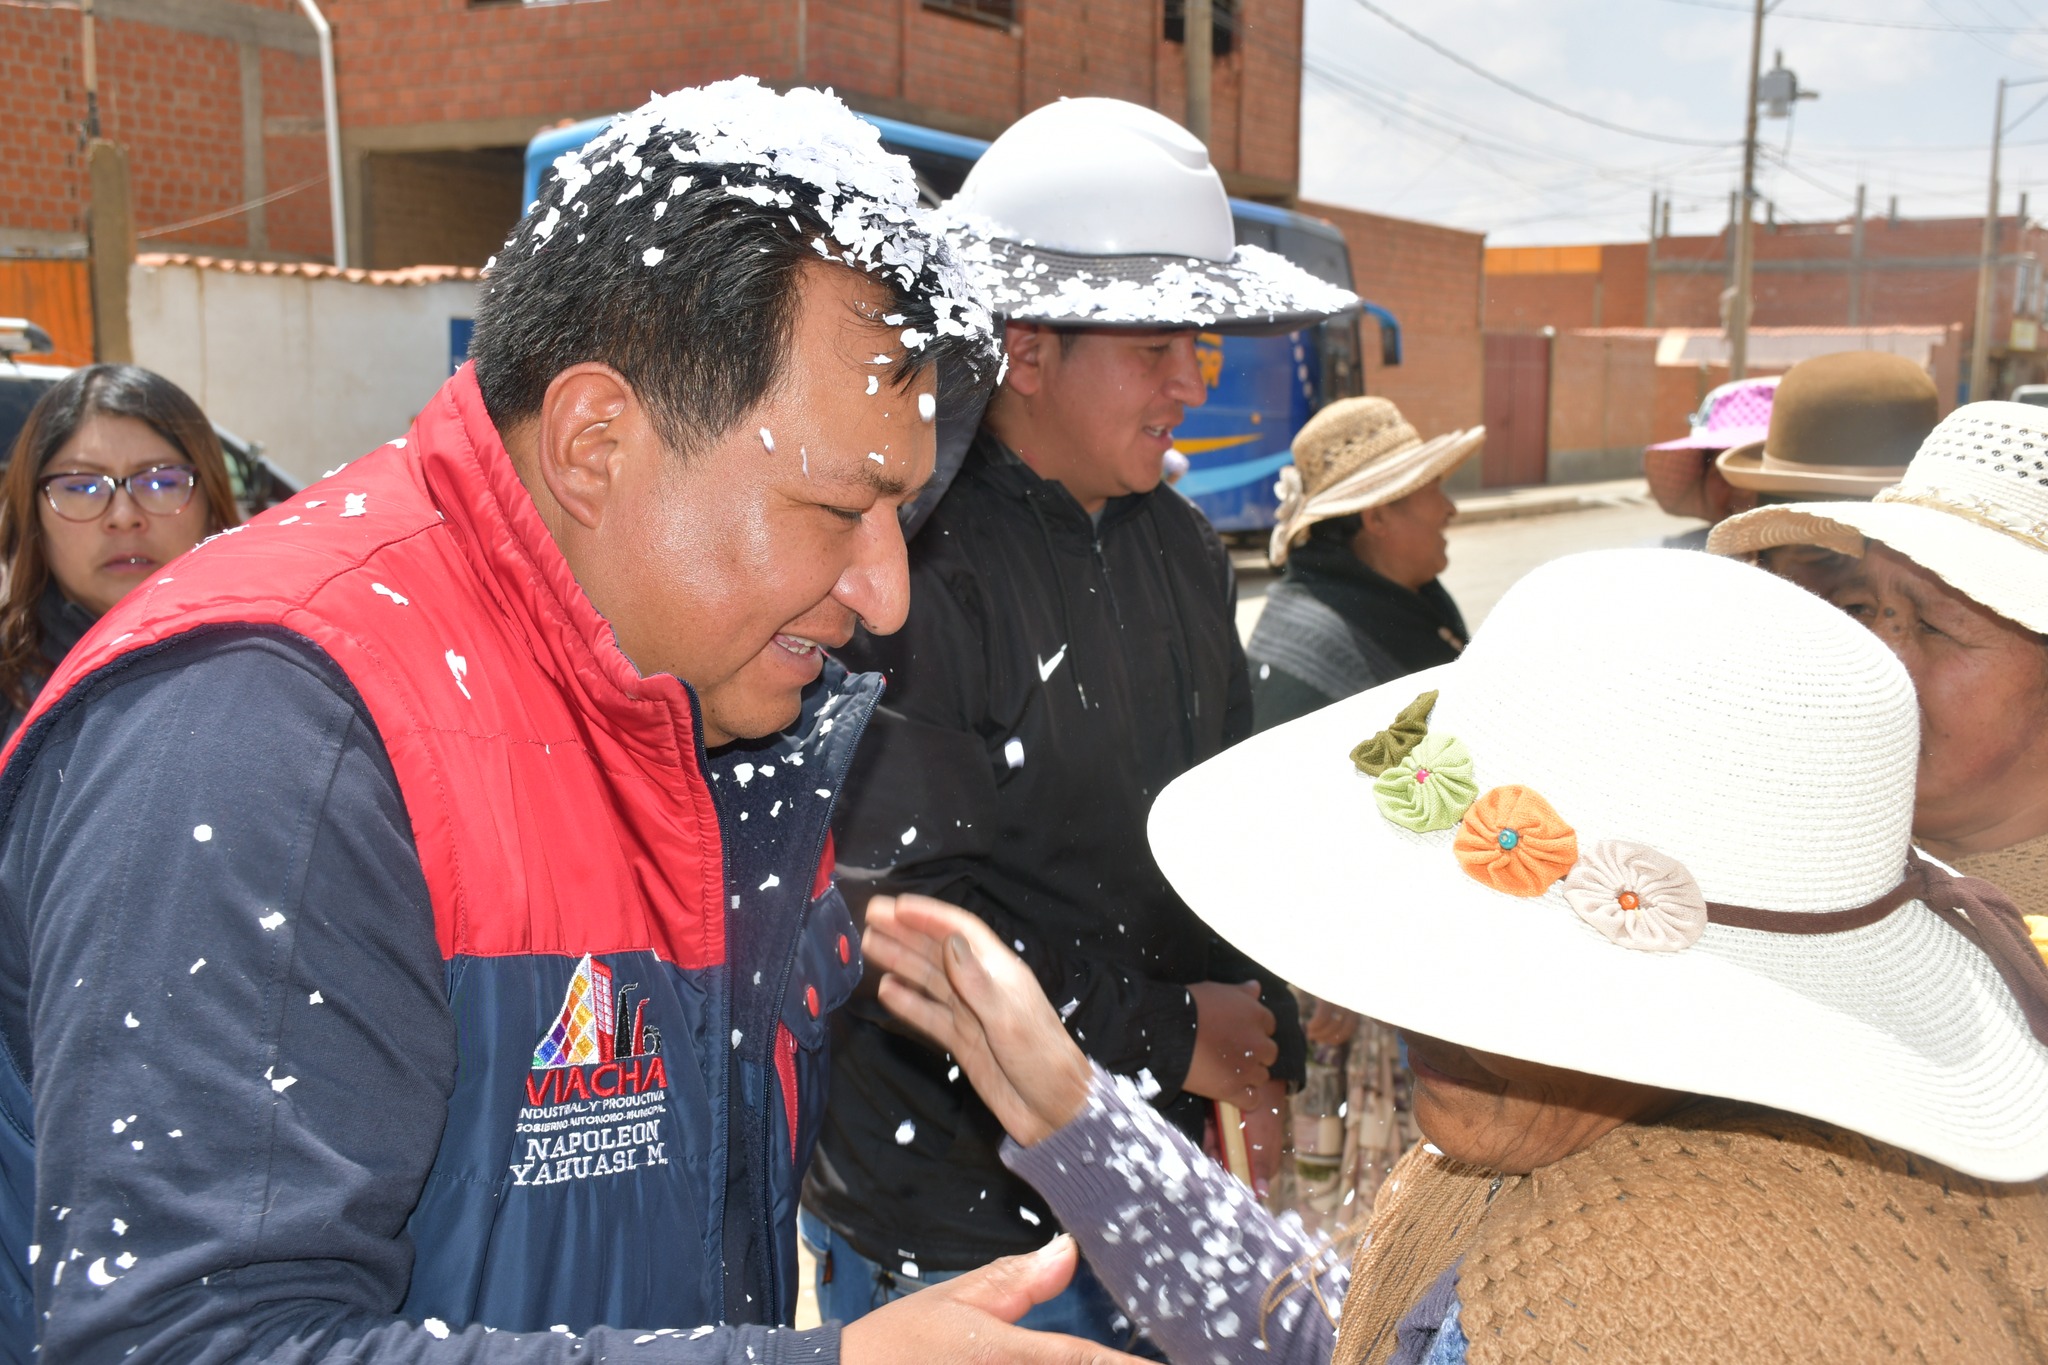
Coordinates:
[1099,212]
[1714,734]
[1972,509]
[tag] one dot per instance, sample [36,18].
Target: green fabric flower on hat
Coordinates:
[1374,756]
[1430,787]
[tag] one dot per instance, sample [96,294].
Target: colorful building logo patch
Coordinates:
[587,1029]
[597,1095]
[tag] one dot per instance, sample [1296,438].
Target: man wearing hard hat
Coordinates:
[1071,649]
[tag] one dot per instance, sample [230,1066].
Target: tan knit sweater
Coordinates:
[1729,1233]
[2020,871]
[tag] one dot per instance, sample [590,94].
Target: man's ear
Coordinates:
[589,419]
[1027,345]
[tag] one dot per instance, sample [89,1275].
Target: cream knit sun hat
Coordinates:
[1695,746]
[1357,453]
[1972,509]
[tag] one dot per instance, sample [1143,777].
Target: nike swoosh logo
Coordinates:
[1046,667]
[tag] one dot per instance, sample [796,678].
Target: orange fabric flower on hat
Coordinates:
[1514,841]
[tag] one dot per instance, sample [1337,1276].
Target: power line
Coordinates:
[242,207]
[1736,8]
[1526,93]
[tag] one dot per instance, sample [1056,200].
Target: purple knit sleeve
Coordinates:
[1205,1269]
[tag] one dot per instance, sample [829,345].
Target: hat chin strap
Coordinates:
[1975,908]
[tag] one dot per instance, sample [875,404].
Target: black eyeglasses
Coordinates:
[159,490]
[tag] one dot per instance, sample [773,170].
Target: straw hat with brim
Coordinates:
[1354,454]
[1842,426]
[1725,765]
[1972,510]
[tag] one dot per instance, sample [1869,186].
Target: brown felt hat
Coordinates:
[1842,425]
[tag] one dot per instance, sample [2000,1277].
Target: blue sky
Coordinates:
[1391,126]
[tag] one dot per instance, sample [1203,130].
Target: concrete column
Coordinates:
[1198,43]
[110,231]
[253,187]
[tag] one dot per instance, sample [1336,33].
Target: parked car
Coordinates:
[259,481]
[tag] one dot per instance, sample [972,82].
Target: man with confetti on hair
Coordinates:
[421,933]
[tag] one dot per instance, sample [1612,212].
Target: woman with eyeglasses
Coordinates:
[116,473]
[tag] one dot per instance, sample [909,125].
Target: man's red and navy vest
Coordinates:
[642,945]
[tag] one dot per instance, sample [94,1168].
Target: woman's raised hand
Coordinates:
[948,976]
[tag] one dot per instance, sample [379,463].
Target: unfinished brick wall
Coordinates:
[1805,277]
[1428,277]
[174,98]
[430,76]
[406,63]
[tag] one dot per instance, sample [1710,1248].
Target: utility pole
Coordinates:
[1987,265]
[1987,254]
[1856,264]
[1650,268]
[1198,36]
[1745,265]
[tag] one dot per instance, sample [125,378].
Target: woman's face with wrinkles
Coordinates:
[1513,1116]
[1983,687]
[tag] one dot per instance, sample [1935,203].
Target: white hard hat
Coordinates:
[1101,177]
[1104,212]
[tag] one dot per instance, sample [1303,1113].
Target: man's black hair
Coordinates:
[702,334]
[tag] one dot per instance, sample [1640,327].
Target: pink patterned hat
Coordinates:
[1732,415]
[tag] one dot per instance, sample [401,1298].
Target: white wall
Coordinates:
[318,370]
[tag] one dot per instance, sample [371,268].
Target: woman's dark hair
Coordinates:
[702,333]
[95,391]
[1338,530]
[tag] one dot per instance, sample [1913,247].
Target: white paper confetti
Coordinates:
[458,666]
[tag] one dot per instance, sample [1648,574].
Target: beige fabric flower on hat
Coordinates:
[1637,896]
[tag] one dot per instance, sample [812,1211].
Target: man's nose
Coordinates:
[1184,379]
[876,586]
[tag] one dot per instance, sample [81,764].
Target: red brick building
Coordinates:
[1428,277]
[1873,272]
[219,102]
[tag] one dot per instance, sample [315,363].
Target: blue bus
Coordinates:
[1261,389]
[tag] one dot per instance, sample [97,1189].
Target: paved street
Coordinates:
[1486,557]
